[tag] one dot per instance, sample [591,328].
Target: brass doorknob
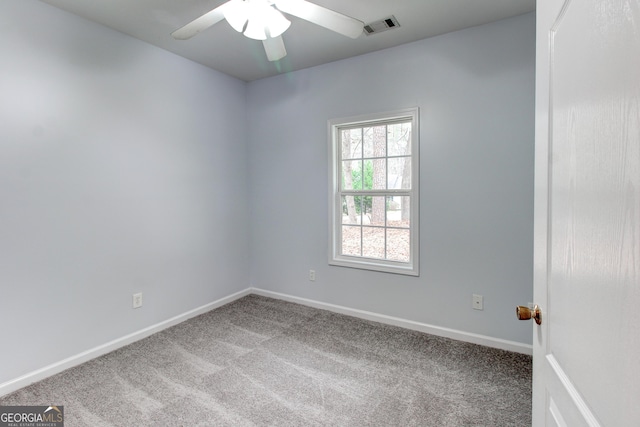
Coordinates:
[525,313]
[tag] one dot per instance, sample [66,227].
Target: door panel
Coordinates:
[587,218]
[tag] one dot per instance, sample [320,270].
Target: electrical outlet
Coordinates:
[477,302]
[137,300]
[312,275]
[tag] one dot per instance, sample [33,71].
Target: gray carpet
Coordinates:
[265,362]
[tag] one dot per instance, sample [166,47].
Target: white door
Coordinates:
[587,214]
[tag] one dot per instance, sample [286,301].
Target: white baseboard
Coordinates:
[514,346]
[47,371]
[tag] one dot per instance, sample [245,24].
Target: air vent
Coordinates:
[382,25]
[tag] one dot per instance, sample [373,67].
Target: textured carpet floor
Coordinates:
[264,362]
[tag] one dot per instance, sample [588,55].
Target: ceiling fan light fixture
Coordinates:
[256,30]
[258,11]
[237,13]
[276,23]
[264,21]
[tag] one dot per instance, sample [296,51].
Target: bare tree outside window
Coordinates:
[347,169]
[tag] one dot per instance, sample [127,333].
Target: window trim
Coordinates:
[335,206]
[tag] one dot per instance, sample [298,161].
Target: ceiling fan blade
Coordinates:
[202,23]
[322,16]
[274,48]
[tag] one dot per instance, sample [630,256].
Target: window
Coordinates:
[374,192]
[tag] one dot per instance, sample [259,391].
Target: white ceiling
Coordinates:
[225,50]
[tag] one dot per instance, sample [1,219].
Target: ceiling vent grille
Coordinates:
[382,25]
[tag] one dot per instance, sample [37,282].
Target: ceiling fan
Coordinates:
[263,20]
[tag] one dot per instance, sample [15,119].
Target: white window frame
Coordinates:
[335,193]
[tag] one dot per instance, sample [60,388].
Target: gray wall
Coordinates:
[475,90]
[122,169]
